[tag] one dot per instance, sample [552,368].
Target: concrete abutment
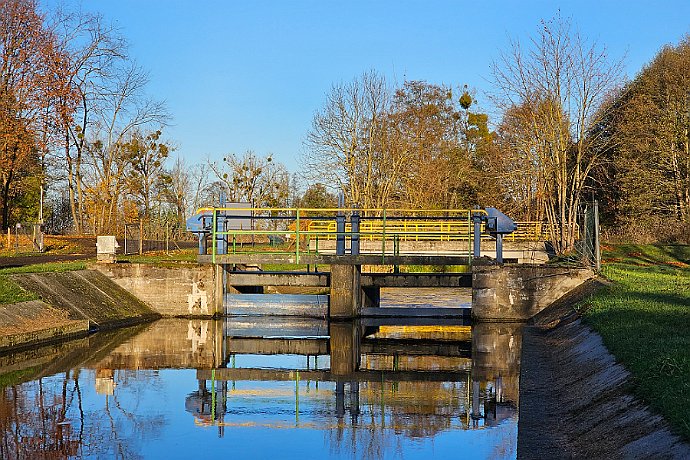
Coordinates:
[518,292]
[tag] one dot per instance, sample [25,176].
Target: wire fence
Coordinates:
[146,237]
[23,237]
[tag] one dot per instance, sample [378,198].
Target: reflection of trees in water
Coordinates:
[34,419]
[391,409]
[49,418]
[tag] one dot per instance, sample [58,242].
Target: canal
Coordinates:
[271,387]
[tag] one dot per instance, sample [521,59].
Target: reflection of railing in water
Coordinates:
[362,371]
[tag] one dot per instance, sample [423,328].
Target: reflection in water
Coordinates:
[291,388]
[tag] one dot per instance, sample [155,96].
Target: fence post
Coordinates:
[597,247]
[141,236]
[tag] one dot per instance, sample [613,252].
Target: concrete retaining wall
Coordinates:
[574,396]
[518,292]
[29,323]
[178,291]
[86,295]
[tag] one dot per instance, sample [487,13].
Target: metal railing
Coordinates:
[419,230]
[297,231]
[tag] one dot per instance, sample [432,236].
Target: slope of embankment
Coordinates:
[575,399]
[85,295]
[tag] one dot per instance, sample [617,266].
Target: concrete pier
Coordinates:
[345,292]
[518,292]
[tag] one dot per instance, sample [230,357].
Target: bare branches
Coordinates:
[553,92]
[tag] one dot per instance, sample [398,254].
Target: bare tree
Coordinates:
[253,179]
[122,109]
[346,145]
[94,52]
[560,80]
[176,186]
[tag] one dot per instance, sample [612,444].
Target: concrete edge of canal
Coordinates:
[72,304]
[574,396]
[34,322]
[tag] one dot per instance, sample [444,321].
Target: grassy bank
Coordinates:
[644,320]
[11,292]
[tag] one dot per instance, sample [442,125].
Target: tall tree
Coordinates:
[28,85]
[347,143]
[649,124]
[94,58]
[146,155]
[559,81]
[123,111]
[442,140]
[177,187]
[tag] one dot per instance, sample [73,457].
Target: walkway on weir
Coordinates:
[257,247]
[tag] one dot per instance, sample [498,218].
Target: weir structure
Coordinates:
[355,252]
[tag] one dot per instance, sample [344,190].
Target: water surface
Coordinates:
[267,387]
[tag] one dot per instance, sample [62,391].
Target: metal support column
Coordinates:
[477,235]
[340,237]
[499,248]
[354,237]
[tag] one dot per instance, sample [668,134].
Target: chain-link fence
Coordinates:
[587,246]
[146,237]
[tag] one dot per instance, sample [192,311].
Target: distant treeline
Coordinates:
[83,146]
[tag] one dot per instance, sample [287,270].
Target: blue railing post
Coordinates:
[354,238]
[340,234]
[476,234]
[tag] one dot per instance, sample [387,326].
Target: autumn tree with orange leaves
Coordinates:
[29,84]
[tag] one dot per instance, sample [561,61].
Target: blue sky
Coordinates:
[239,75]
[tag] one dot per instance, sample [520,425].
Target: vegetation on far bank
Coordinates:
[11,292]
[644,320]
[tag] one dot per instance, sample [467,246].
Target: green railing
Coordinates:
[299,231]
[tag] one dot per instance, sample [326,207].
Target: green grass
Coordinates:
[184,256]
[644,320]
[11,292]
[45,267]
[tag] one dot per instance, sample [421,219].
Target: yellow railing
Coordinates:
[298,228]
[420,230]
